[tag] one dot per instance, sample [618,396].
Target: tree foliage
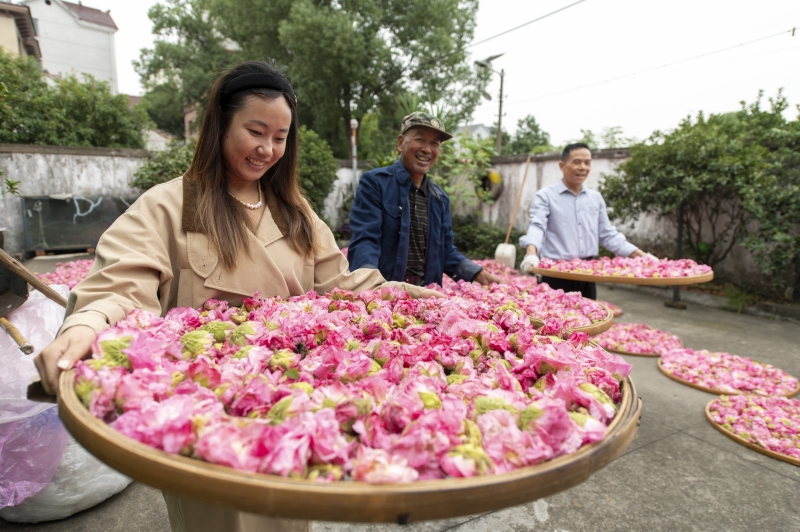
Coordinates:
[165,108]
[463,163]
[317,167]
[528,138]
[346,59]
[737,176]
[68,112]
[163,166]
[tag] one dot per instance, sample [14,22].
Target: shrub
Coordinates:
[316,169]
[164,165]
[71,112]
[479,241]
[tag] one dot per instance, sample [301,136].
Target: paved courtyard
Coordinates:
[679,474]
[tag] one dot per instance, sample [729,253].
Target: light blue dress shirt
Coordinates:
[566,226]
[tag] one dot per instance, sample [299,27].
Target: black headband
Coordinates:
[257,81]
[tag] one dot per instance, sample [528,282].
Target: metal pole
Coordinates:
[499,141]
[676,294]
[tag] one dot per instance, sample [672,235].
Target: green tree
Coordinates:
[528,137]
[737,176]
[73,112]
[165,108]
[316,168]
[163,166]
[346,59]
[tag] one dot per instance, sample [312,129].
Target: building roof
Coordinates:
[27,31]
[90,14]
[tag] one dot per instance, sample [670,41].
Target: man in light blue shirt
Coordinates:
[569,221]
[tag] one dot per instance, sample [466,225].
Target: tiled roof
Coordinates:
[90,14]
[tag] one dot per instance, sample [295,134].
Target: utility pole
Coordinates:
[499,141]
[353,129]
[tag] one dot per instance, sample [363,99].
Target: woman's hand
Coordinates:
[73,345]
[427,292]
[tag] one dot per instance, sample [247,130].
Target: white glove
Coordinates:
[530,261]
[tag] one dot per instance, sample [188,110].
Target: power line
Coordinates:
[792,31]
[440,57]
[523,25]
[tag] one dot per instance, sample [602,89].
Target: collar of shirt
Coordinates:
[423,187]
[561,188]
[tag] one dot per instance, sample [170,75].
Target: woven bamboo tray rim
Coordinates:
[344,501]
[621,352]
[735,437]
[715,391]
[592,330]
[647,281]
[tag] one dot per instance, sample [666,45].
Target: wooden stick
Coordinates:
[519,197]
[16,266]
[24,345]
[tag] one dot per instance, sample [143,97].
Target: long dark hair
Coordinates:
[217,213]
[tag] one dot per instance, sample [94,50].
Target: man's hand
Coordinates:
[530,261]
[62,354]
[638,253]
[485,278]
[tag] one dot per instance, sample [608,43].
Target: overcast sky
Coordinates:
[595,41]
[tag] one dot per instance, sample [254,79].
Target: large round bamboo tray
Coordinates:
[345,501]
[739,440]
[648,281]
[712,390]
[591,330]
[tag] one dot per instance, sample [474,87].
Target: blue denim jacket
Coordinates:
[381,221]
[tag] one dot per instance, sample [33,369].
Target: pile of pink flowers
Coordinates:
[643,267]
[556,309]
[344,251]
[769,422]
[617,311]
[500,270]
[377,387]
[638,338]
[68,273]
[726,373]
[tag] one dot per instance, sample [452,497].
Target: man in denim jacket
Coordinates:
[401,221]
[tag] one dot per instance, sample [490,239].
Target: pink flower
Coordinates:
[376,466]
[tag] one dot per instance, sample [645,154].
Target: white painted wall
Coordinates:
[71,46]
[45,170]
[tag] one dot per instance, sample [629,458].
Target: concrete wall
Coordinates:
[70,46]
[51,170]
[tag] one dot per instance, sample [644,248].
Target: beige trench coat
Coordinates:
[148,259]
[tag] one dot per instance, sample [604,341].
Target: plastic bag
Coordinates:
[38,319]
[30,451]
[80,482]
[44,473]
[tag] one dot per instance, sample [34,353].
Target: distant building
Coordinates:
[477,131]
[18,31]
[75,39]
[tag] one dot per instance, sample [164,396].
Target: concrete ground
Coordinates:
[679,474]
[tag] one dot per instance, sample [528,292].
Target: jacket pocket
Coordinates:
[393,210]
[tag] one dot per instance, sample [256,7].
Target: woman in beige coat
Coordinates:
[234,225]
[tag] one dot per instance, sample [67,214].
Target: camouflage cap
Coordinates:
[420,119]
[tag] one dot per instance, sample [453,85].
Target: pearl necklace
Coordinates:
[252,206]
